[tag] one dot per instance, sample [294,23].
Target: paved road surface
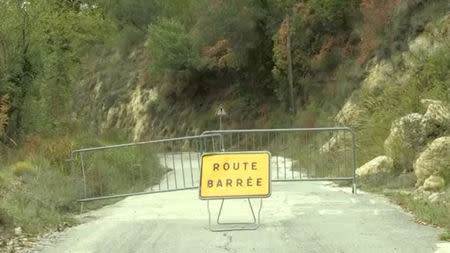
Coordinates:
[298,217]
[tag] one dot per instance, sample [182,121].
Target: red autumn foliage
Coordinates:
[376,15]
[220,51]
[331,42]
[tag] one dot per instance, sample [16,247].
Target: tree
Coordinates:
[170,47]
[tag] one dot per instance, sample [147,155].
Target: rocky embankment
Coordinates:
[418,144]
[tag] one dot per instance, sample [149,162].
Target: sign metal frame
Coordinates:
[236,226]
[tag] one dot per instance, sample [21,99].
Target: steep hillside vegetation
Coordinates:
[84,73]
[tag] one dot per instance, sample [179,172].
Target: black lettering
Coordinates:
[226,166]
[253,165]
[215,166]
[259,182]
[210,183]
[249,181]
[229,182]
[235,166]
[219,183]
[245,165]
[238,182]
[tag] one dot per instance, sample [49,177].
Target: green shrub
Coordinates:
[169,46]
[445,236]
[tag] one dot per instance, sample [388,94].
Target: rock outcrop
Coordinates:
[408,134]
[377,165]
[434,160]
[339,142]
[437,116]
[351,113]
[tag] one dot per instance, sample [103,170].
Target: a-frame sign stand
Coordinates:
[222,178]
[232,226]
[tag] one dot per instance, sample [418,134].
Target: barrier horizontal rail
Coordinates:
[299,154]
[140,168]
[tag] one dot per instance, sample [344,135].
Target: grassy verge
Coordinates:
[434,213]
[400,189]
[37,189]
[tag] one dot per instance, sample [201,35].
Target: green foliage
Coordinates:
[334,14]
[169,47]
[445,236]
[43,44]
[139,13]
[237,21]
[318,30]
[61,57]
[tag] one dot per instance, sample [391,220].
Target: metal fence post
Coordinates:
[353,162]
[84,175]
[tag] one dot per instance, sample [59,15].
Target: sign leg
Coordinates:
[232,226]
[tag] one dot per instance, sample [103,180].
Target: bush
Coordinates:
[169,47]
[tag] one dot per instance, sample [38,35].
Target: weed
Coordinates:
[23,168]
[437,213]
[445,236]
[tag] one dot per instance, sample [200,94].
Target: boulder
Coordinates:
[408,134]
[375,166]
[434,160]
[339,142]
[18,231]
[437,114]
[434,197]
[351,113]
[434,183]
[378,77]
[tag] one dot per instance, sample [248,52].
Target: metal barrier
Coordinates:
[140,168]
[299,154]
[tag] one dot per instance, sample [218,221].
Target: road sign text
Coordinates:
[231,175]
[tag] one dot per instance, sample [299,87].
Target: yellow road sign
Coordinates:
[235,175]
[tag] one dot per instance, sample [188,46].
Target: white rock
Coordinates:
[437,113]
[434,160]
[378,76]
[434,197]
[407,136]
[351,113]
[342,141]
[376,165]
[18,231]
[433,183]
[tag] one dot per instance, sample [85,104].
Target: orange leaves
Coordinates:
[220,52]
[376,14]
[304,11]
[218,49]
[326,48]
